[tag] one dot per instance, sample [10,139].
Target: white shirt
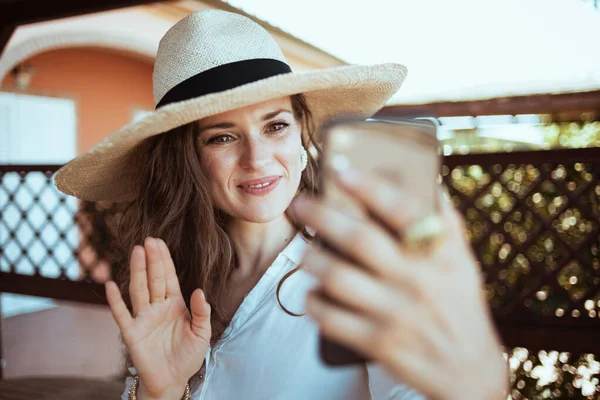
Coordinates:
[267,354]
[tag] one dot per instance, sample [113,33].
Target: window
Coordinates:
[36,130]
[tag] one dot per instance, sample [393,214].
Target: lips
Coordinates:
[260,186]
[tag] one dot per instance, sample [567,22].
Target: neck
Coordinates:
[258,244]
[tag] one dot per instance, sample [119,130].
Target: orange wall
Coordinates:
[106,86]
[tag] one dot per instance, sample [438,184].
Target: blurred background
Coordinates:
[514,85]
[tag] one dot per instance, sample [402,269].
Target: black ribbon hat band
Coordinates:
[224,77]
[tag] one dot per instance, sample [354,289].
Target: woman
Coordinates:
[214,306]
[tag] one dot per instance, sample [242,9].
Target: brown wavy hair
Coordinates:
[174,203]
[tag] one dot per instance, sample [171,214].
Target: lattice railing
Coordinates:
[534,226]
[533,220]
[52,245]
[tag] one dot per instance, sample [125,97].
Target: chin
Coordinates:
[263,215]
[262,211]
[261,219]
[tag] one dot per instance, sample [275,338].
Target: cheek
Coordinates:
[289,158]
[218,168]
[289,155]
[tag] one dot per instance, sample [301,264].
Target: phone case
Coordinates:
[404,152]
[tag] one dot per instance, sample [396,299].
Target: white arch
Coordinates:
[129,30]
[37,45]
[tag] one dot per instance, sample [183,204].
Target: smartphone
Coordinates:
[402,151]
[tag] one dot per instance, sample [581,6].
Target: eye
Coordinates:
[277,127]
[220,139]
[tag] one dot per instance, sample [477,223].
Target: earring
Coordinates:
[304,158]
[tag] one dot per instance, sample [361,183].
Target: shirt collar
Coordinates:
[294,251]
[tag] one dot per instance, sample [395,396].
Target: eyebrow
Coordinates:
[222,125]
[275,113]
[227,125]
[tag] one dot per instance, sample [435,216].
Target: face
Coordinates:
[252,159]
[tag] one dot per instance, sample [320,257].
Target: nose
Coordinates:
[257,154]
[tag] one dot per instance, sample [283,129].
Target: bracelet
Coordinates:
[132,394]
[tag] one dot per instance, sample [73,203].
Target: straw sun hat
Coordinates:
[212,62]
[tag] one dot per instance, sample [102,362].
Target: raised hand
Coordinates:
[422,316]
[166,343]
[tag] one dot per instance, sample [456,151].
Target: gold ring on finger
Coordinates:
[424,235]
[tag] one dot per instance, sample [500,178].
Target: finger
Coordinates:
[138,284]
[341,326]
[156,271]
[200,315]
[386,201]
[453,244]
[171,279]
[453,219]
[364,241]
[398,209]
[354,288]
[382,301]
[117,306]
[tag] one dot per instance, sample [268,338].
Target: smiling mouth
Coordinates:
[257,186]
[260,186]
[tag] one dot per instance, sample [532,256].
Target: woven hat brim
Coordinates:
[106,172]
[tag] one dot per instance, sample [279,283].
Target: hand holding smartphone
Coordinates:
[403,151]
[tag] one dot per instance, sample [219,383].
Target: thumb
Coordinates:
[200,315]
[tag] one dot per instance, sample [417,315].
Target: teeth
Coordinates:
[259,185]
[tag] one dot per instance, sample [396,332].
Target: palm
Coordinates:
[166,343]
